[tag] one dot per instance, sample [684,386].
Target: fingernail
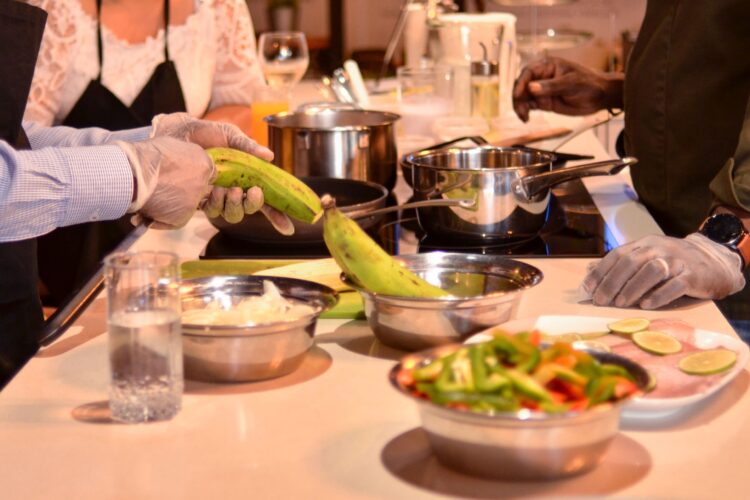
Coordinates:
[535,87]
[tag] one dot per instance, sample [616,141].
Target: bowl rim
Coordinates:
[329,298]
[536,276]
[519,416]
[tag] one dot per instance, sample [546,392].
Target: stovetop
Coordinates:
[574,228]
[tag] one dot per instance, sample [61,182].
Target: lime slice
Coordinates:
[708,362]
[630,325]
[592,345]
[572,336]
[657,342]
[651,382]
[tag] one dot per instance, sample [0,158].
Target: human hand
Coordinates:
[232,204]
[171,178]
[554,84]
[207,134]
[657,270]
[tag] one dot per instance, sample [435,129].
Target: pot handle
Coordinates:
[454,202]
[531,185]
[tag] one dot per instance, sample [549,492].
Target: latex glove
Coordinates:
[171,178]
[657,270]
[206,134]
[232,204]
[554,84]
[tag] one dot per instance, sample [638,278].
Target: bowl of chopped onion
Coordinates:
[246,328]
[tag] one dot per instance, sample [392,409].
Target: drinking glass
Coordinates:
[283,57]
[424,94]
[145,342]
[266,101]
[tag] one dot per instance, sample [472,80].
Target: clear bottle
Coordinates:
[485,88]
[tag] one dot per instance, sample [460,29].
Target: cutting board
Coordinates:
[349,306]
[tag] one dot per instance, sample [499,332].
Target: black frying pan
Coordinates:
[352,197]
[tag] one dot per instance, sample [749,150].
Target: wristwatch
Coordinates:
[727,229]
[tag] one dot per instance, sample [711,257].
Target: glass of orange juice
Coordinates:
[268,101]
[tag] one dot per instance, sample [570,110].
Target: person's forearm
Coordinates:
[41,137]
[239,115]
[54,187]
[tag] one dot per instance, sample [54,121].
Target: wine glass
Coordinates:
[283,57]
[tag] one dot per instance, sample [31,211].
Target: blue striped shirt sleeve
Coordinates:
[41,137]
[53,187]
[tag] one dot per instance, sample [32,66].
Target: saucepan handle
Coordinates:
[456,202]
[531,185]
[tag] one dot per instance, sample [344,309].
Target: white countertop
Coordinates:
[335,428]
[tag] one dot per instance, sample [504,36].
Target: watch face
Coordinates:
[723,228]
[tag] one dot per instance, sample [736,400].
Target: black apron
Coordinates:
[81,247]
[21,28]
[686,89]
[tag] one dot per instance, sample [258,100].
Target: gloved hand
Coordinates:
[228,203]
[657,270]
[171,178]
[206,134]
[233,204]
[554,84]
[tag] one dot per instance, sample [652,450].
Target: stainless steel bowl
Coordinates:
[485,291]
[525,445]
[245,353]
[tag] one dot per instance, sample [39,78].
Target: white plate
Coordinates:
[640,407]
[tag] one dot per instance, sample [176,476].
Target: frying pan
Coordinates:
[353,197]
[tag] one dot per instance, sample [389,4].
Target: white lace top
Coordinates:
[214,52]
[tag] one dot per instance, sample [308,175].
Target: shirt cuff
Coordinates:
[101,184]
[132,135]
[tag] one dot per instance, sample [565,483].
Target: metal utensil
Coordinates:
[343,143]
[524,445]
[463,203]
[485,291]
[241,353]
[511,186]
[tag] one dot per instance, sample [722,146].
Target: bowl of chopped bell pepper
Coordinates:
[516,408]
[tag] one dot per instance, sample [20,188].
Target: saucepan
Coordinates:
[363,201]
[509,187]
[558,159]
[325,141]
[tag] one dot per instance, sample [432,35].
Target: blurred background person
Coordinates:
[116,65]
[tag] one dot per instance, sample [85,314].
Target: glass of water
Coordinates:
[145,343]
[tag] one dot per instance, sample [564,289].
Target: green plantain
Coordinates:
[281,190]
[368,265]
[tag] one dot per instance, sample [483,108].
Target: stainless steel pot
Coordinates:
[510,187]
[344,143]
